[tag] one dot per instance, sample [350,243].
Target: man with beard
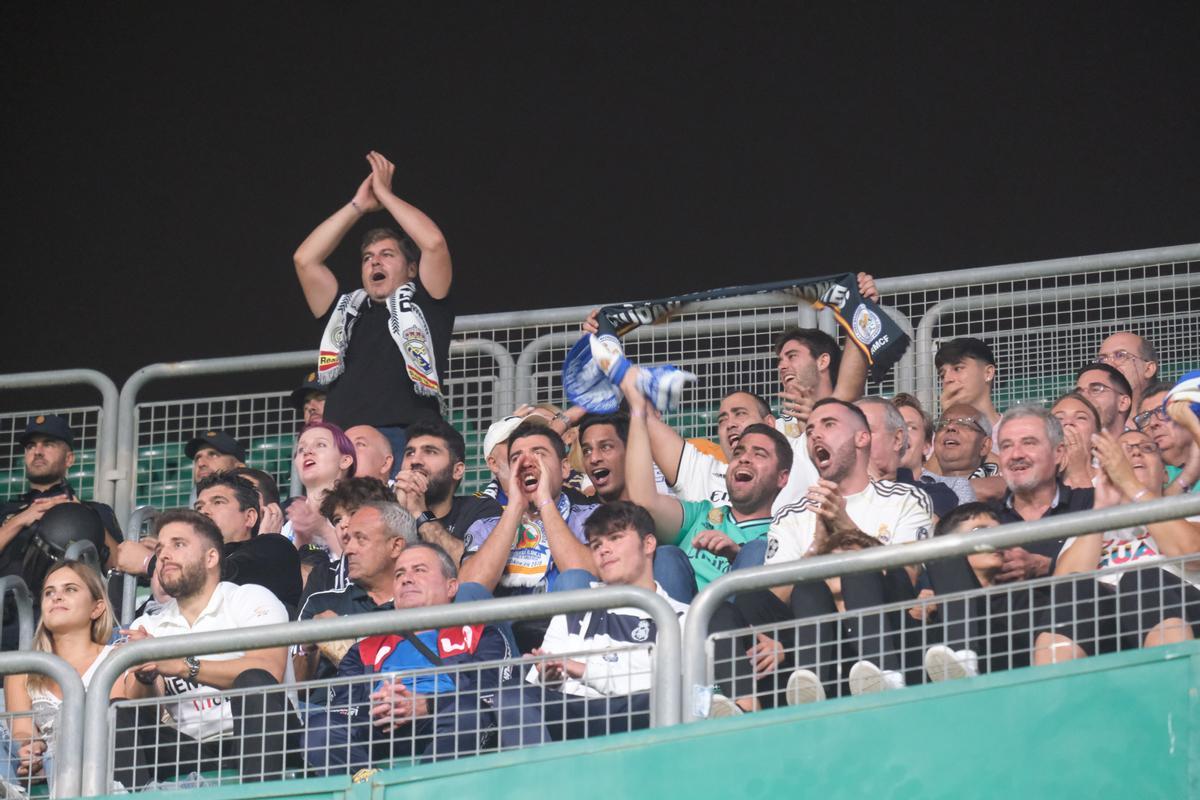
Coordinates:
[602,438]
[713,537]
[373,453]
[49,446]
[844,501]
[433,467]
[245,732]
[1109,391]
[309,400]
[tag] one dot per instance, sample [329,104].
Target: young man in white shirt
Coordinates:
[607,690]
[209,731]
[843,500]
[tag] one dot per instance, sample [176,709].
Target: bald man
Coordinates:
[374,453]
[1135,357]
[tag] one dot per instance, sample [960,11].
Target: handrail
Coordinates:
[133,533]
[106,432]
[666,688]
[24,600]
[68,759]
[815,568]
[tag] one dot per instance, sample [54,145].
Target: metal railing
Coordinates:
[666,693]
[68,729]
[23,599]
[141,519]
[697,643]
[457,710]
[95,430]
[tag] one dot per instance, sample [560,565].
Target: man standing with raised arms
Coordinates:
[385,349]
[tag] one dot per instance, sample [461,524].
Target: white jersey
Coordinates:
[201,712]
[1130,547]
[601,632]
[893,513]
[702,477]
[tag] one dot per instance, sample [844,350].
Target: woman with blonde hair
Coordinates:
[76,625]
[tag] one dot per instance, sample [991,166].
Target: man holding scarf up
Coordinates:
[386,346]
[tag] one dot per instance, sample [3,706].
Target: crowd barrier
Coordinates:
[683,668]
[68,745]
[1041,318]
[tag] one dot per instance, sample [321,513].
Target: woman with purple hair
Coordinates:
[324,455]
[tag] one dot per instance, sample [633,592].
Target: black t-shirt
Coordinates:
[1069,500]
[13,555]
[375,388]
[268,560]
[465,510]
[349,600]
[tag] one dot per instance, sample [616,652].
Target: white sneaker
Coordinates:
[866,678]
[943,664]
[803,686]
[722,706]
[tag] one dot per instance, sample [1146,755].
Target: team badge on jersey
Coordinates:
[642,632]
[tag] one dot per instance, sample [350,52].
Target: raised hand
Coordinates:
[866,287]
[830,507]
[797,400]
[1115,463]
[381,174]
[365,200]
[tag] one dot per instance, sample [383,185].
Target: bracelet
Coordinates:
[1140,494]
[545,503]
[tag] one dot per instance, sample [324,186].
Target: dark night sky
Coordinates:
[162,161]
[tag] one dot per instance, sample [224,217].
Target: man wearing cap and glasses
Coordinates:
[49,446]
[1111,394]
[212,452]
[1135,357]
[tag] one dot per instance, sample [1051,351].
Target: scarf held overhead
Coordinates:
[406,323]
[593,367]
[874,333]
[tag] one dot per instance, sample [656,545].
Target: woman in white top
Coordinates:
[324,455]
[77,624]
[1139,607]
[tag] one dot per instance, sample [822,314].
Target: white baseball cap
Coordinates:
[499,431]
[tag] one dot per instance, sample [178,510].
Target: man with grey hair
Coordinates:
[1030,442]
[889,444]
[962,441]
[377,533]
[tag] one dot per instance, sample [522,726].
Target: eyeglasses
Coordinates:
[1096,389]
[959,422]
[1119,357]
[1145,448]
[1143,420]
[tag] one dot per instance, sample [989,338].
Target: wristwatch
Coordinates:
[426,516]
[193,665]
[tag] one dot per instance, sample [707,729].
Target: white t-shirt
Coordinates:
[606,673]
[201,712]
[702,477]
[1130,546]
[893,513]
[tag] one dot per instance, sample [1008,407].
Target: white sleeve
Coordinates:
[789,537]
[556,640]
[255,605]
[695,474]
[915,520]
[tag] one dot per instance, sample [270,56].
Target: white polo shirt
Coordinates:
[200,711]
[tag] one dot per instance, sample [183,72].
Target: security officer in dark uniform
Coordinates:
[49,446]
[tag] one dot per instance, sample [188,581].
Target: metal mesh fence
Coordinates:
[377,721]
[265,423]
[1042,324]
[85,423]
[862,650]
[26,753]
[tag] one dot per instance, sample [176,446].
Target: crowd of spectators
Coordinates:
[576,500]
